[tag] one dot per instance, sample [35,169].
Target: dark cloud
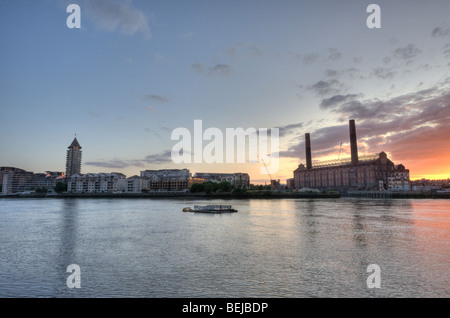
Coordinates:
[334,54]
[336,100]
[383,72]
[115,163]
[156,99]
[222,69]
[160,158]
[322,88]
[407,52]
[331,73]
[324,141]
[290,129]
[310,58]
[440,31]
[218,69]
[447,50]
[410,126]
[163,157]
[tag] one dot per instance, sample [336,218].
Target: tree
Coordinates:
[225,186]
[197,187]
[60,187]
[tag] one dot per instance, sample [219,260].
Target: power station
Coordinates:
[369,172]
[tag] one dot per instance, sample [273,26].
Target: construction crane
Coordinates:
[273,183]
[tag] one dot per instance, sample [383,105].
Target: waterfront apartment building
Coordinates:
[162,180]
[73,158]
[16,180]
[370,172]
[238,179]
[97,183]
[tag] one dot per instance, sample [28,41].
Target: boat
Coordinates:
[210,209]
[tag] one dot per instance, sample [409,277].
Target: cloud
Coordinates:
[112,15]
[383,72]
[334,54]
[410,126]
[222,69]
[447,50]
[407,52]
[156,99]
[160,158]
[218,69]
[240,49]
[289,129]
[115,163]
[336,100]
[331,73]
[322,88]
[310,58]
[440,31]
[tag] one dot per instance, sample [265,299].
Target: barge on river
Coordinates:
[210,209]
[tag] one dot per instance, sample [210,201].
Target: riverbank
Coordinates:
[398,195]
[244,195]
[185,195]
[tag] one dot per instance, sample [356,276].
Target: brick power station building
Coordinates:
[373,172]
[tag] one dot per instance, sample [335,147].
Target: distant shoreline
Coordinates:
[247,195]
[182,195]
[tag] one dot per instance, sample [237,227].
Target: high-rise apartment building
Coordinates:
[73,159]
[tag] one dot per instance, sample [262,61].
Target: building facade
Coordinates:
[163,180]
[97,183]
[378,173]
[238,179]
[372,172]
[73,158]
[16,180]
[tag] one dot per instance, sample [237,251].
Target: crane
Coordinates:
[273,183]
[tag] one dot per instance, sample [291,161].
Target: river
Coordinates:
[279,248]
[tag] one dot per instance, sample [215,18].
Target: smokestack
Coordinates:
[308,151]
[353,145]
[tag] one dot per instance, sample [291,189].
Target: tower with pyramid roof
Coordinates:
[73,159]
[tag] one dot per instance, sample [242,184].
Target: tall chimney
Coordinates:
[353,145]
[308,151]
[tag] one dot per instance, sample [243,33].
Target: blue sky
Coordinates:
[136,70]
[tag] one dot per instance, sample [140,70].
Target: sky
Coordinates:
[137,70]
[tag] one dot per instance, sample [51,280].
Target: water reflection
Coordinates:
[68,239]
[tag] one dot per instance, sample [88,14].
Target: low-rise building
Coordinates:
[97,183]
[238,179]
[16,180]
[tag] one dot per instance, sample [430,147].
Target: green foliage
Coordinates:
[239,191]
[210,187]
[60,187]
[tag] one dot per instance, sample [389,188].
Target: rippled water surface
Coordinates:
[270,248]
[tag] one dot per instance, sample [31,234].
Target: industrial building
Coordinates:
[369,172]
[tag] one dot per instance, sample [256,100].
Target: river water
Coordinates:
[270,248]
